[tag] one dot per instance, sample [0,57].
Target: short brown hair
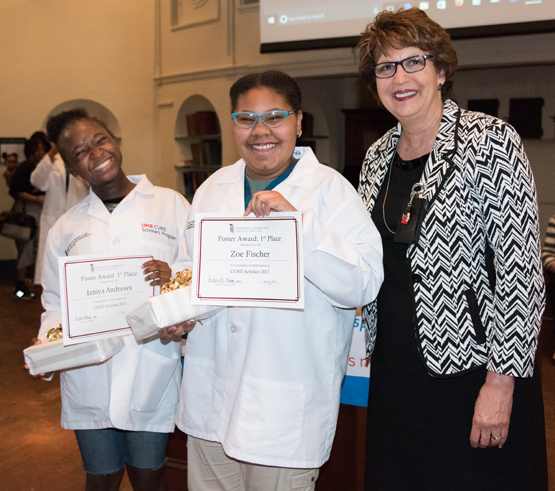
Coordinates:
[404,29]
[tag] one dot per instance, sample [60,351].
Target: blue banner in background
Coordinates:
[357,381]
[355,391]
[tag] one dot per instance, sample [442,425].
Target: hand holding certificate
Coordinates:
[239,261]
[96,292]
[249,261]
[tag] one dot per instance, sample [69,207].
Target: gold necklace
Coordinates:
[385,197]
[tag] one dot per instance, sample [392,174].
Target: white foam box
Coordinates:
[50,356]
[166,310]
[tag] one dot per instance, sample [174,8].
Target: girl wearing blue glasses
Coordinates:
[260,395]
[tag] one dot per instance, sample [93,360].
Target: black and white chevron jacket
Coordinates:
[481,208]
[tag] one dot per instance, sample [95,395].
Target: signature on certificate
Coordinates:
[221,280]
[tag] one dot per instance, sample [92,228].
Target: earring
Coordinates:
[440,86]
[300,133]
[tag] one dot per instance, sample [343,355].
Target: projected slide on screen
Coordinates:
[286,21]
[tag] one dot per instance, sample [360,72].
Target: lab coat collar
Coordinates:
[301,177]
[230,185]
[234,177]
[97,208]
[143,186]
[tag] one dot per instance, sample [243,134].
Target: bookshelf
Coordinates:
[308,138]
[204,149]
[194,176]
[198,144]
[310,141]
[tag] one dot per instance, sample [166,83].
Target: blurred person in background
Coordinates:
[28,200]
[62,191]
[11,163]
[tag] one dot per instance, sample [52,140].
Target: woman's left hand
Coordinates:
[492,412]
[264,202]
[157,272]
[40,375]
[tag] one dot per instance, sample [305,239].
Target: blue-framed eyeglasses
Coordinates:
[410,65]
[273,119]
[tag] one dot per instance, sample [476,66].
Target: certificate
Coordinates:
[248,261]
[96,292]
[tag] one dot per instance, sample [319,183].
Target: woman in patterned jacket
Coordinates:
[456,323]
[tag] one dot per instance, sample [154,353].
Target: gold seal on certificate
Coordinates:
[249,261]
[96,292]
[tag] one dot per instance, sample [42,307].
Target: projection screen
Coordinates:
[307,24]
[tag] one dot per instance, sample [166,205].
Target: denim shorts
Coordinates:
[107,450]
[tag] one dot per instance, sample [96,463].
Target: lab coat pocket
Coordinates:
[85,388]
[271,416]
[198,383]
[154,374]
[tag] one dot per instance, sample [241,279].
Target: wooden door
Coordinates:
[362,128]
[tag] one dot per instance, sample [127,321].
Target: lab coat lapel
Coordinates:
[231,187]
[97,209]
[302,174]
[135,204]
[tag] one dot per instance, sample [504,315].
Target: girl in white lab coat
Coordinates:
[62,191]
[261,386]
[121,410]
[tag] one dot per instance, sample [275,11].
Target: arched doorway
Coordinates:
[94,109]
[198,143]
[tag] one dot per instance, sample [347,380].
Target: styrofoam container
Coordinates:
[166,310]
[50,356]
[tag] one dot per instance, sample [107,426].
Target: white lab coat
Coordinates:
[266,382]
[50,177]
[137,389]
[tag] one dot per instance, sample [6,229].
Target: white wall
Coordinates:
[60,50]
